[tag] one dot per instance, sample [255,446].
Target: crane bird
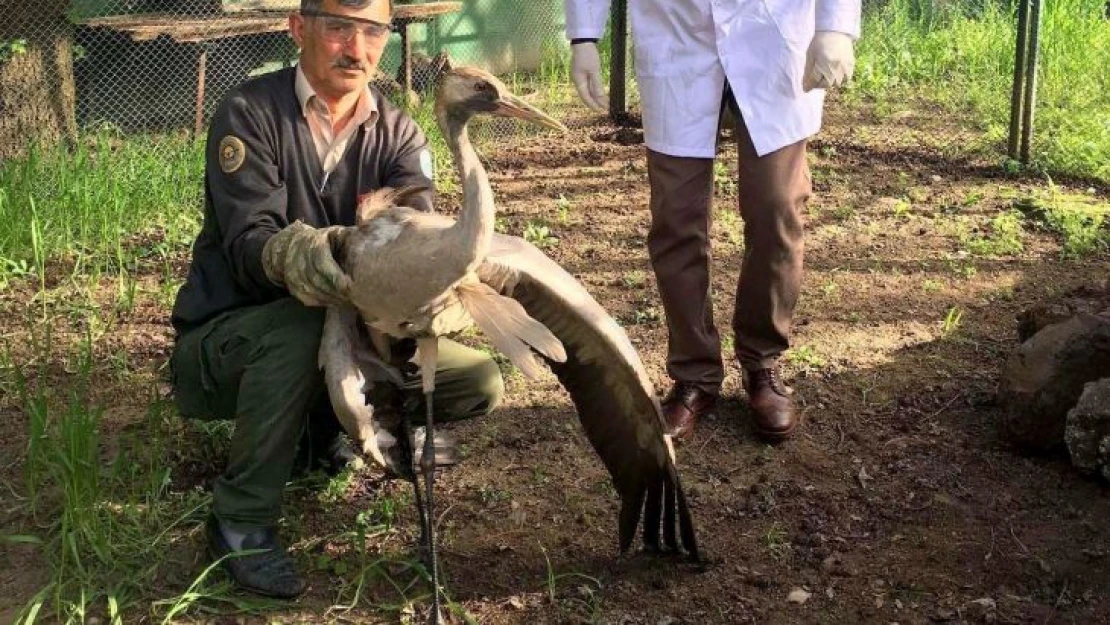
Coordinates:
[422,275]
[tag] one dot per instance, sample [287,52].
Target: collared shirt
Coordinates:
[329,146]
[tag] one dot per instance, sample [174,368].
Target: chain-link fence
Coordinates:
[163,65]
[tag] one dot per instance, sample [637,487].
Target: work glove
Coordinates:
[829,60]
[302,259]
[585,71]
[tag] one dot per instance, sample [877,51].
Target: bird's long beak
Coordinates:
[512,106]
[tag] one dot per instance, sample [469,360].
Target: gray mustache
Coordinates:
[347,63]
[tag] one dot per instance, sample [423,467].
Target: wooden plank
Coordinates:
[149,26]
[235,6]
[400,11]
[425,10]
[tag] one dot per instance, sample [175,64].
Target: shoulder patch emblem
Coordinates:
[232,153]
[426,164]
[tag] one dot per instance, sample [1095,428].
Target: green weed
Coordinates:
[1003,237]
[1078,220]
[539,234]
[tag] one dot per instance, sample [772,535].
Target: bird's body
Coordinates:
[402,294]
[419,275]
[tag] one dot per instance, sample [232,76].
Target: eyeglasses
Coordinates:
[341,29]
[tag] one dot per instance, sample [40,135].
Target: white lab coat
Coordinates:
[686,49]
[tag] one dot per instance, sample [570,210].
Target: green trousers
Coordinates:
[258,366]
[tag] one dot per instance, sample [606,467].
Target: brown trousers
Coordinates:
[773,191]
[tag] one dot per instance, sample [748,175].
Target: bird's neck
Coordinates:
[474,228]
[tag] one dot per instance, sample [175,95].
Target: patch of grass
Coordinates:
[90,207]
[539,234]
[962,269]
[901,208]
[1003,237]
[728,344]
[724,180]
[954,53]
[844,212]
[584,602]
[563,206]
[728,220]
[105,526]
[777,541]
[952,321]
[931,286]
[335,487]
[644,314]
[490,496]
[805,357]
[634,279]
[1078,220]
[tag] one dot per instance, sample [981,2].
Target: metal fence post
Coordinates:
[1023,97]
[619,42]
[1030,80]
[1019,77]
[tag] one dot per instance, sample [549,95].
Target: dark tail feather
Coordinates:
[631,505]
[685,521]
[668,516]
[653,514]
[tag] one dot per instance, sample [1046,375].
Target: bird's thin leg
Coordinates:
[428,352]
[408,450]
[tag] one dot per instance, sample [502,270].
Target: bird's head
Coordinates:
[465,91]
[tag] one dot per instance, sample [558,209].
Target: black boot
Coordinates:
[271,572]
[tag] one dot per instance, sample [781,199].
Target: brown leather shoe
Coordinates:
[683,406]
[772,406]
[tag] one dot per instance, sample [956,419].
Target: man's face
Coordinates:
[341,46]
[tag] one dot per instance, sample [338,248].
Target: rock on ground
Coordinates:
[1044,378]
[1088,429]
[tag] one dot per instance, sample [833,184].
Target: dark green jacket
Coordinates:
[262,173]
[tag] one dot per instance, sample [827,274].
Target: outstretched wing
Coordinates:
[607,382]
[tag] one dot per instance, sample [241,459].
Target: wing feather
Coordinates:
[346,380]
[609,386]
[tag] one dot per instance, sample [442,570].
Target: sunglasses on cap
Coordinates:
[342,28]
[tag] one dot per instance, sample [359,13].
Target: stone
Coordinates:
[798,596]
[1044,378]
[1087,433]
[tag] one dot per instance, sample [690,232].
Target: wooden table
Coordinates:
[202,30]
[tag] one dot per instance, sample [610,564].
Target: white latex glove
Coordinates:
[585,71]
[829,60]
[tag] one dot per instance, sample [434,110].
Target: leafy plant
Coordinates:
[805,356]
[539,234]
[563,205]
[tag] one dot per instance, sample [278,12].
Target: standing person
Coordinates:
[769,61]
[288,156]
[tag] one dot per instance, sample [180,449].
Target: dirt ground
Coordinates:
[897,502]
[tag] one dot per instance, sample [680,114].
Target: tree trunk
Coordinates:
[37,93]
